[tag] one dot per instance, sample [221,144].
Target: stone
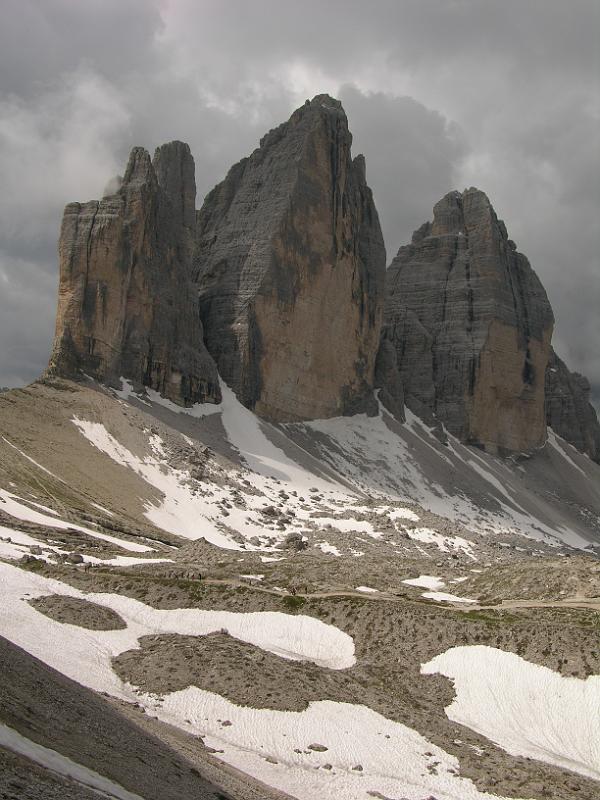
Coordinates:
[291,266]
[295,541]
[568,409]
[471,325]
[127,306]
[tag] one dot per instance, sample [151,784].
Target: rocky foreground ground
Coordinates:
[405,583]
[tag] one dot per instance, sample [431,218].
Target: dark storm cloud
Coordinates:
[439,94]
[412,156]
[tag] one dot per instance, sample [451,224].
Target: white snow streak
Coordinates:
[426,582]
[10,504]
[61,765]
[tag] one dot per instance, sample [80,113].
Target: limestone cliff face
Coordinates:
[471,325]
[291,266]
[568,409]
[127,306]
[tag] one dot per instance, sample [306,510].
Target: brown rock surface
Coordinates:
[291,264]
[126,305]
[568,409]
[471,325]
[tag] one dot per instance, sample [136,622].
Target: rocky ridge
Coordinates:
[568,409]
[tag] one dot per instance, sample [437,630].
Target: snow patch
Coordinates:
[444,597]
[526,709]
[426,582]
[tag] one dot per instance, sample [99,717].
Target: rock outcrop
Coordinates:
[127,306]
[471,326]
[291,266]
[568,409]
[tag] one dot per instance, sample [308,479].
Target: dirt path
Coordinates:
[590,603]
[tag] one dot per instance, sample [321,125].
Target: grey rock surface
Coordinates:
[127,306]
[291,265]
[387,377]
[471,325]
[568,409]
[82,726]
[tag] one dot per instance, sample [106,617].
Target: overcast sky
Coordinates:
[440,95]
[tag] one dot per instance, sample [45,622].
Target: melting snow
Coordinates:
[11,505]
[560,446]
[329,549]
[181,511]
[443,597]
[443,543]
[348,525]
[394,758]
[295,637]
[426,582]
[526,709]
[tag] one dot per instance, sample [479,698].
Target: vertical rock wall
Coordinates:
[127,306]
[291,266]
[471,325]
[568,409]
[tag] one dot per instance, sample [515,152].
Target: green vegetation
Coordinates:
[293,602]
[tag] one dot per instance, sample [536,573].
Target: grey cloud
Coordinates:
[42,40]
[412,155]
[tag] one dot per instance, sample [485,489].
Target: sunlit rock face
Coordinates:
[291,266]
[126,304]
[471,325]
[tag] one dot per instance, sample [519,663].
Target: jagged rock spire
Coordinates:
[127,306]
[291,264]
[471,324]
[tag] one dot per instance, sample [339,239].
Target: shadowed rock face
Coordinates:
[291,266]
[471,325]
[126,305]
[568,409]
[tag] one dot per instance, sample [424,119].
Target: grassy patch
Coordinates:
[489,619]
[293,602]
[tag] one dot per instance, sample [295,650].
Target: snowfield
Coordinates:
[408,463]
[180,512]
[195,510]
[526,709]
[395,759]
[295,637]
[329,750]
